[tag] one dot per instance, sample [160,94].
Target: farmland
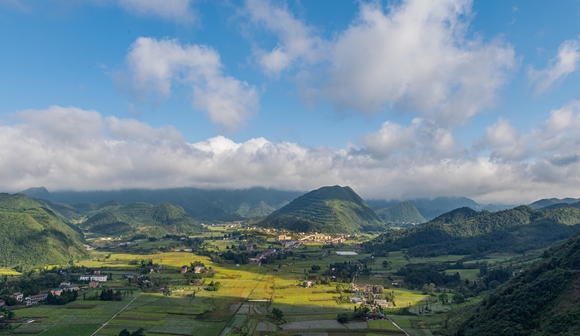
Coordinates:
[244,303]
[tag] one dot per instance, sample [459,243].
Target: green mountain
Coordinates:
[328,209]
[401,213]
[546,202]
[466,231]
[33,235]
[203,205]
[542,300]
[155,221]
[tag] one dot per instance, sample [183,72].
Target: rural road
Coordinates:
[119,312]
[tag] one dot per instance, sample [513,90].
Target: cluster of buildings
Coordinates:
[196,269]
[95,276]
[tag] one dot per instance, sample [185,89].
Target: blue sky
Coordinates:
[398,99]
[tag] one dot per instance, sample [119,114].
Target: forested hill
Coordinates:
[465,231]
[542,300]
[200,204]
[141,218]
[329,209]
[31,234]
[401,213]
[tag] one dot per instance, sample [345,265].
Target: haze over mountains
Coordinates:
[240,204]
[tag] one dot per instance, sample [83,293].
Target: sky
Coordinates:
[397,99]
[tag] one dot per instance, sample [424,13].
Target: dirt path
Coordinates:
[119,312]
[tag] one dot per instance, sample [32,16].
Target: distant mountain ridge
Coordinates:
[430,208]
[328,209]
[200,204]
[33,235]
[401,213]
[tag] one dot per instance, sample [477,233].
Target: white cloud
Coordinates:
[420,140]
[298,41]
[70,148]
[566,62]
[174,10]
[155,66]
[416,56]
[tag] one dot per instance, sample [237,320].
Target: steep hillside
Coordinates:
[465,231]
[543,300]
[401,213]
[31,234]
[328,209]
[145,218]
[202,205]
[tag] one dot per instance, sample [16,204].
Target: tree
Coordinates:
[124,332]
[278,314]
[138,332]
[443,298]
[458,298]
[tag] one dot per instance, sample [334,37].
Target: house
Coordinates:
[99,278]
[183,269]
[96,272]
[84,277]
[356,300]
[2,303]
[307,283]
[132,276]
[71,287]
[382,303]
[284,237]
[368,289]
[56,291]
[378,289]
[255,261]
[198,269]
[250,247]
[17,296]
[94,284]
[64,284]
[35,299]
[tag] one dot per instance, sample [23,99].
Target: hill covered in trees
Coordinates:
[32,234]
[466,231]
[328,209]
[401,213]
[542,300]
[155,221]
[203,205]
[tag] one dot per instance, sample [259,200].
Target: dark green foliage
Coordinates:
[401,213]
[110,295]
[213,286]
[31,234]
[155,221]
[278,314]
[328,209]
[465,231]
[138,332]
[62,299]
[542,300]
[416,275]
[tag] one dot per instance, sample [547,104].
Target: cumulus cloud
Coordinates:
[297,40]
[417,56]
[566,62]
[173,10]
[421,139]
[69,148]
[155,66]
[414,56]
[556,140]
